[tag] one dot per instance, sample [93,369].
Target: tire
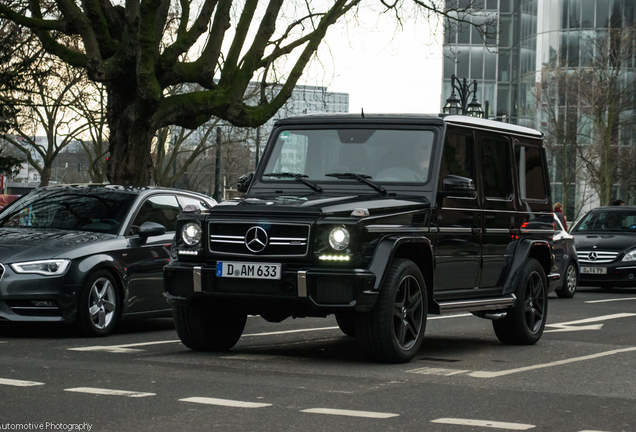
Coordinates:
[347,324]
[569,284]
[524,323]
[100,304]
[394,329]
[208,327]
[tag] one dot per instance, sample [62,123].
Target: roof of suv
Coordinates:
[458,120]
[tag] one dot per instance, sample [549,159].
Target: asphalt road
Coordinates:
[305,375]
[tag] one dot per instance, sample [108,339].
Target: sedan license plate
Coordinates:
[248,270]
[593,270]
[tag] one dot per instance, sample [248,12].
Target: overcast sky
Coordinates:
[383,69]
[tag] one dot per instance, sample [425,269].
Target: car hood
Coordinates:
[605,241]
[27,244]
[320,206]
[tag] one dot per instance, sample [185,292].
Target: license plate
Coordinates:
[248,270]
[594,270]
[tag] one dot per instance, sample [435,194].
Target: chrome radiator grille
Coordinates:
[596,257]
[258,238]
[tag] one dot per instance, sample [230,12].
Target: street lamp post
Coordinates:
[460,105]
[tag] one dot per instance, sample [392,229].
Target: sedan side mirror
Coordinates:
[457,186]
[244,182]
[150,229]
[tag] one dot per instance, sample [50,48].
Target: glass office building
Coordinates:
[531,35]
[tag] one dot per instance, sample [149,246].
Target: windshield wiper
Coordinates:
[360,177]
[300,177]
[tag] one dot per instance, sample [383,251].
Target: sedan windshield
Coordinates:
[85,210]
[617,221]
[379,155]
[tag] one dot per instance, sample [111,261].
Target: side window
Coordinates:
[458,155]
[162,209]
[198,203]
[495,163]
[531,175]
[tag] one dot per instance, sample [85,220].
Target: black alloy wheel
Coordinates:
[525,321]
[394,329]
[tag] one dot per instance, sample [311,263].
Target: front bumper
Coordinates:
[618,274]
[302,291]
[36,298]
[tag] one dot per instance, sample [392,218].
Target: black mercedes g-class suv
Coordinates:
[380,220]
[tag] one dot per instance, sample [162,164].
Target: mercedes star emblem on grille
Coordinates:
[256,239]
[592,256]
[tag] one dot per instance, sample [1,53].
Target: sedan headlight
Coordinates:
[53,267]
[191,233]
[630,256]
[339,238]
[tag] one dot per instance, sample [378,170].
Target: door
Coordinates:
[496,168]
[147,257]
[457,243]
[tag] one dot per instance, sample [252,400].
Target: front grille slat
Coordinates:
[596,257]
[283,239]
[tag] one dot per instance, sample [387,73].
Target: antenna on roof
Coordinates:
[362,112]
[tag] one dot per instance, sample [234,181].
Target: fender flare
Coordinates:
[385,251]
[526,249]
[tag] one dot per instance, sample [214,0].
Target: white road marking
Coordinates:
[350,413]
[291,331]
[484,374]
[19,383]
[225,402]
[611,300]
[437,371]
[121,348]
[130,348]
[569,326]
[484,423]
[108,392]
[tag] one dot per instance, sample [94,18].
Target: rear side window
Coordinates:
[495,163]
[457,158]
[531,173]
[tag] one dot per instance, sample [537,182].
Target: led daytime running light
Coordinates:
[334,257]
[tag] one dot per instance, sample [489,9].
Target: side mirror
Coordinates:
[244,182]
[150,229]
[457,186]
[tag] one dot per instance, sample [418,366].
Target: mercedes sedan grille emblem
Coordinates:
[256,239]
[592,256]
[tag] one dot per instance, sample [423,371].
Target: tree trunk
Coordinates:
[45,176]
[131,134]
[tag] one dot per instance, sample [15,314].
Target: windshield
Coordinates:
[86,210]
[617,221]
[385,155]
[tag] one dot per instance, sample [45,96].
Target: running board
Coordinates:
[477,305]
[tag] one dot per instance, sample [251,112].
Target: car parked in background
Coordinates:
[89,254]
[565,261]
[605,240]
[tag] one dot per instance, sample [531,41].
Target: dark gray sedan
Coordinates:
[606,244]
[88,255]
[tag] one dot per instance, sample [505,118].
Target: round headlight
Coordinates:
[339,238]
[191,233]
